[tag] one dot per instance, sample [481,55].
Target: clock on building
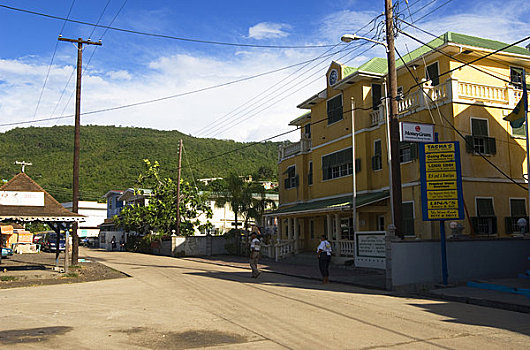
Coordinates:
[333,76]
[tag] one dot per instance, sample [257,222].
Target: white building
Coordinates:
[95,214]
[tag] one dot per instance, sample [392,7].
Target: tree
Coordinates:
[236,193]
[160,214]
[259,203]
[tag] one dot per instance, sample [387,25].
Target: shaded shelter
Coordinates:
[23,200]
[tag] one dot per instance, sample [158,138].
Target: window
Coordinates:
[517,207]
[478,141]
[337,164]
[432,74]
[377,160]
[381,223]
[485,223]
[517,211]
[376,96]
[408,151]
[399,96]
[292,179]
[407,218]
[334,109]
[357,165]
[516,76]
[346,228]
[310,174]
[312,228]
[307,131]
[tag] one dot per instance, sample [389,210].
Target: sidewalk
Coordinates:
[361,277]
[491,293]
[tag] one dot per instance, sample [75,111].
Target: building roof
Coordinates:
[301,119]
[333,204]
[50,211]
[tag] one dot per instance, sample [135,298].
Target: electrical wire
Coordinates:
[51,61]
[467,142]
[165,36]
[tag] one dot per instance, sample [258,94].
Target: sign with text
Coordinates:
[25,199]
[416,132]
[370,249]
[441,181]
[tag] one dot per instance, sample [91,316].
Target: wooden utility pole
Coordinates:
[178,188]
[75,181]
[393,122]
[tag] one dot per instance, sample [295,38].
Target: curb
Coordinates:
[480,302]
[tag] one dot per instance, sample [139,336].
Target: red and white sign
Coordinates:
[29,199]
[416,132]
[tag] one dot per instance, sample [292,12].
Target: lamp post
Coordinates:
[395,169]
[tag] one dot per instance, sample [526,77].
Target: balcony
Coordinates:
[378,116]
[291,149]
[454,90]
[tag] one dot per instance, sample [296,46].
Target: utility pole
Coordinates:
[23,163]
[178,188]
[393,122]
[75,181]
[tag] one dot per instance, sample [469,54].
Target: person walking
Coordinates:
[324,257]
[254,254]
[113,243]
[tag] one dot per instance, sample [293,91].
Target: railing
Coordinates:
[482,92]
[437,93]
[484,225]
[377,117]
[267,250]
[343,247]
[288,150]
[511,224]
[284,248]
[410,102]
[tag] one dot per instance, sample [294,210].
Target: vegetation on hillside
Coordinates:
[111,157]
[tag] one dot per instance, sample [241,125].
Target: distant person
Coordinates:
[324,257]
[254,254]
[113,243]
[122,244]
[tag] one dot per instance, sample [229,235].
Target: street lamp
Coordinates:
[395,167]
[348,38]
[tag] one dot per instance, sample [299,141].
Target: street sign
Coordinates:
[441,181]
[416,132]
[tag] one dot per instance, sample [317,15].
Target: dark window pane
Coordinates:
[518,207]
[376,95]
[432,74]
[485,207]
[479,127]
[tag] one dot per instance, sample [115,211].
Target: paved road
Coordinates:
[178,304]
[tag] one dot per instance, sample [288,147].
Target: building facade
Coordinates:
[465,102]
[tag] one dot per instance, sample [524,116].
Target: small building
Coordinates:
[95,213]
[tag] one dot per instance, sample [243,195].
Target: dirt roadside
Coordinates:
[29,270]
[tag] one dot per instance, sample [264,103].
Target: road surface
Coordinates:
[172,303]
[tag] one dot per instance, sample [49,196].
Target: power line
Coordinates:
[51,61]
[165,36]
[162,98]
[459,132]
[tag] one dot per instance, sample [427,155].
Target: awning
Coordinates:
[333,204]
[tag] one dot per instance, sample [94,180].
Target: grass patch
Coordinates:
[71,275]
[8,278]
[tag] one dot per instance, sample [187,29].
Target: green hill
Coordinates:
[112,157]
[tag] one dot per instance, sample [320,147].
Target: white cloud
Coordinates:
[267,30]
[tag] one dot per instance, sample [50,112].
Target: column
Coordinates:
[330,227]
[279,228]
[338,234]
[296,236]
[289,229]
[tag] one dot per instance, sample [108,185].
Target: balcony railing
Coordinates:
[377,117]
[454,90]
[288,150]
[511,225]
[484,225]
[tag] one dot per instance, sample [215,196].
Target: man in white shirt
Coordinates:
[324,257]
[254,254]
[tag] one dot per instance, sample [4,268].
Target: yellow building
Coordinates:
[316,182]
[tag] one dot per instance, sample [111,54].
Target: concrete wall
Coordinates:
[419,262]
[193,246]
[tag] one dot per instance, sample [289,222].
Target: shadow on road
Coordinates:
[32,335]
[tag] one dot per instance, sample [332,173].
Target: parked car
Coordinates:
[37,237]
[49,240]
[6,252]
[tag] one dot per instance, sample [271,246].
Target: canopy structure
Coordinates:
[22,199]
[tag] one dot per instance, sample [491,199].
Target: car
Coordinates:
[6,252]
[49,241]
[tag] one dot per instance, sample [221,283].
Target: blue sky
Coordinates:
[130,68]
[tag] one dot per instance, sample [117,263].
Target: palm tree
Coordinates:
[236,193]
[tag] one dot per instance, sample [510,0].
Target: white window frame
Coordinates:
[484,197]
[510,73]
[287,170]
[518,198]
[379,223]
[479,118]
